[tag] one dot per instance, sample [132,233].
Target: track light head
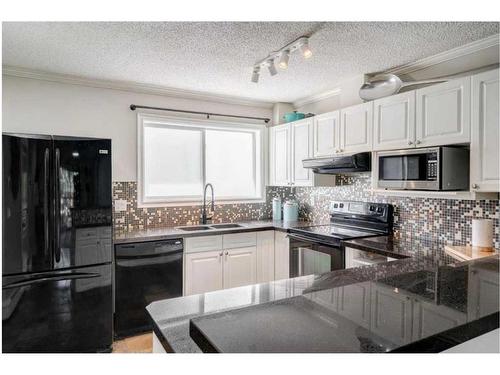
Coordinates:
[271,67]
[255,74]
[284,57]
[304,48]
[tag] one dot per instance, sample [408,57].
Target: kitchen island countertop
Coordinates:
[424,280]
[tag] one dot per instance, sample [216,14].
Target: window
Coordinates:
[178,157]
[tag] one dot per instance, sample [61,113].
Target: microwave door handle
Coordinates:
[405,168]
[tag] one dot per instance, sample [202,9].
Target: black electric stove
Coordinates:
[316,249]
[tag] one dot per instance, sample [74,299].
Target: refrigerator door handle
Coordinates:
[55,277]
[57,208]
[46,199]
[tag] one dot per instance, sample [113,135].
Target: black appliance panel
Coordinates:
[82,202]
[59,311]
[309,256]
[26,201]
[144,272]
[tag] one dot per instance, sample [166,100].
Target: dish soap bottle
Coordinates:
[276,208]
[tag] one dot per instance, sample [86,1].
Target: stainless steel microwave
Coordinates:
[434,168]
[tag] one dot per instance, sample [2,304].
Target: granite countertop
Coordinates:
[424,280]
[155,234]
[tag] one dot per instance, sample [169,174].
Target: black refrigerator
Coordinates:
[57,244]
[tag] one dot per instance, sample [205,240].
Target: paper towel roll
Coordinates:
[482,232]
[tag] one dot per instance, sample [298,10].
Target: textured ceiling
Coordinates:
[217,57]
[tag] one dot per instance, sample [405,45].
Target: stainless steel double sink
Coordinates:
[191,228]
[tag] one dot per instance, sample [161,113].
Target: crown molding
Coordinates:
[142,88]
[316,98]
[466,49]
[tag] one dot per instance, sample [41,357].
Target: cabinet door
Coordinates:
[443,113]
[354,303]
[280,155]
[265,256]
[429,319]
[483,298]
[391,314]
[302,142]
[485,133]
[203,272]
[394,122]
[356,128]
[240,267]
[281,256]
[326,134]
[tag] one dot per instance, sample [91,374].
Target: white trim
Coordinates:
[142,88]
[316,97]
[466,49]
[202,125]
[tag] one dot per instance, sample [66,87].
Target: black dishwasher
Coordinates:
[144,272]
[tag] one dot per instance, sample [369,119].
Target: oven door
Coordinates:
[310,256]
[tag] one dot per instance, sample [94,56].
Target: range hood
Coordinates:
[340,164]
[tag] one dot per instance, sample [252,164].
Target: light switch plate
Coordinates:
[120,205]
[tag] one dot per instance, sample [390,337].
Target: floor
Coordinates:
[135,344]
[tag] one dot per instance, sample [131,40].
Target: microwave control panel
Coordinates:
[432,166]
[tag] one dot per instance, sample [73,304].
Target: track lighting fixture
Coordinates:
[306,51]
[255,74]
[271,67]
[282,56]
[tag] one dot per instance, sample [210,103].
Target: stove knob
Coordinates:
[335,205]
[372,208]
[380,210]
[341,205]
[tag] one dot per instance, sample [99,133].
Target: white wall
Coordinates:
[42,107]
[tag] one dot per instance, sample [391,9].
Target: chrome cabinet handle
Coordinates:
[475,186]
[410,143]
[417,142]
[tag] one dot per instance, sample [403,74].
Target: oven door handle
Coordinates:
[309,240]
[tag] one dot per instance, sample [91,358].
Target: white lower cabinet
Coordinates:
[242,259]
[239,267]
[483,284]
[203,272]
[265,256]
[391,314]
[354,303]
[281,256]
[430,318]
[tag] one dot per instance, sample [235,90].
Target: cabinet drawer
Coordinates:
[206,243]
[235,240]
[86,233]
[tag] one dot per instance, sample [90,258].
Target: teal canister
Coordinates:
[290,211]
[276,208]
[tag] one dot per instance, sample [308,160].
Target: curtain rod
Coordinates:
[133,107]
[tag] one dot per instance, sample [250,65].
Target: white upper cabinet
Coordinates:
[326,131]
[443,113]
[356,124]
[485,134]
[302,143]
[280,154]
[290,144]
[394,122]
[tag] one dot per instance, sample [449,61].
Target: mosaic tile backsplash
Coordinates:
[442,219]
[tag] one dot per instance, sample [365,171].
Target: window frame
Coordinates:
[260,163]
